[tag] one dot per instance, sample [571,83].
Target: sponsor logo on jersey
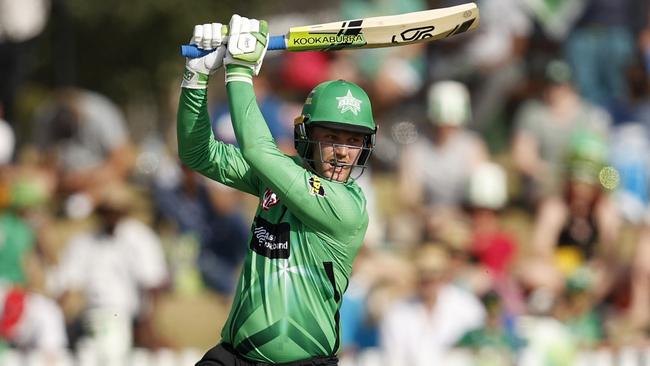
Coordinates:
[316,187]
[349,103]
[269,199]
[271,240]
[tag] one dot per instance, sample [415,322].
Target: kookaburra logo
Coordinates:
[349,103]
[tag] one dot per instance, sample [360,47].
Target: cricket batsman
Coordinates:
[311,218]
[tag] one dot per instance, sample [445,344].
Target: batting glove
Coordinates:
[247,43]
[198,70]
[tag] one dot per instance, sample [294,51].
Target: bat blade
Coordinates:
[385,31]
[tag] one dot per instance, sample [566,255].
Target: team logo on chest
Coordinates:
[269,199]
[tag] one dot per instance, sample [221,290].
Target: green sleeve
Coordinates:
[198,149]
[334,211]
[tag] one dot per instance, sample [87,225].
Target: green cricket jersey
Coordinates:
[304,238]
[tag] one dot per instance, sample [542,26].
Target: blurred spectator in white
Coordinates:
[543,127]
[84,137]
[32,322]
[547,340]
[116,271]
[421,330]
[20,22]
[435,169]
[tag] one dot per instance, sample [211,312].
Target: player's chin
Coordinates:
[339,174]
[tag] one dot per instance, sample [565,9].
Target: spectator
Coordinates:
[28,320]
[197,207]
[579,311]
[494,248]
[379,278]
[601,47]
[421,330]
[543,128]
[490,60]
[16,243]
[84,137]
[31,321]
[117,270]
[547,340]
[581,227]
[434,170]
[499,334]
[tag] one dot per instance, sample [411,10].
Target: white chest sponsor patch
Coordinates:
[349,103]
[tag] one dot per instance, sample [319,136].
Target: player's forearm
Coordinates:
[253,135]
[194,132]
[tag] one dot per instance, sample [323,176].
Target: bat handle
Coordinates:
[191,51]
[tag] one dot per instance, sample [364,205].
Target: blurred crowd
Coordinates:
[509,194]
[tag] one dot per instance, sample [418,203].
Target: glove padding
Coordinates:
[198,70]
[248,40]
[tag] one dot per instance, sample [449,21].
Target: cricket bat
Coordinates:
[383,31]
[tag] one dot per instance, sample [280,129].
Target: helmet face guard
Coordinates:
[338,105]
[307,147]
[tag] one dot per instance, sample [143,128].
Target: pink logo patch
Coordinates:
[269,200]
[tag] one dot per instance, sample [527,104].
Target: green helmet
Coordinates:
[586,156]
[336,104]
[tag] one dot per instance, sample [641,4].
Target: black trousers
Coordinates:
[224,354]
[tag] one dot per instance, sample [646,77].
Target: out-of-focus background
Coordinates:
[508,193]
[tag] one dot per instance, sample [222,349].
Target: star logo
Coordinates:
[349,103]
[284,268]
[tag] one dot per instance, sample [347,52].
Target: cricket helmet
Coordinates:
[336,104]
[586,156]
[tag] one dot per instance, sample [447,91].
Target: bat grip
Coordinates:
[191,51]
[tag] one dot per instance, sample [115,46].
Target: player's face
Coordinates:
[339,151]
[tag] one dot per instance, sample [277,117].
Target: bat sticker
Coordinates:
[415,34]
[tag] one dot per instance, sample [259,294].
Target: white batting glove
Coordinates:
[198,70]
[247,44]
